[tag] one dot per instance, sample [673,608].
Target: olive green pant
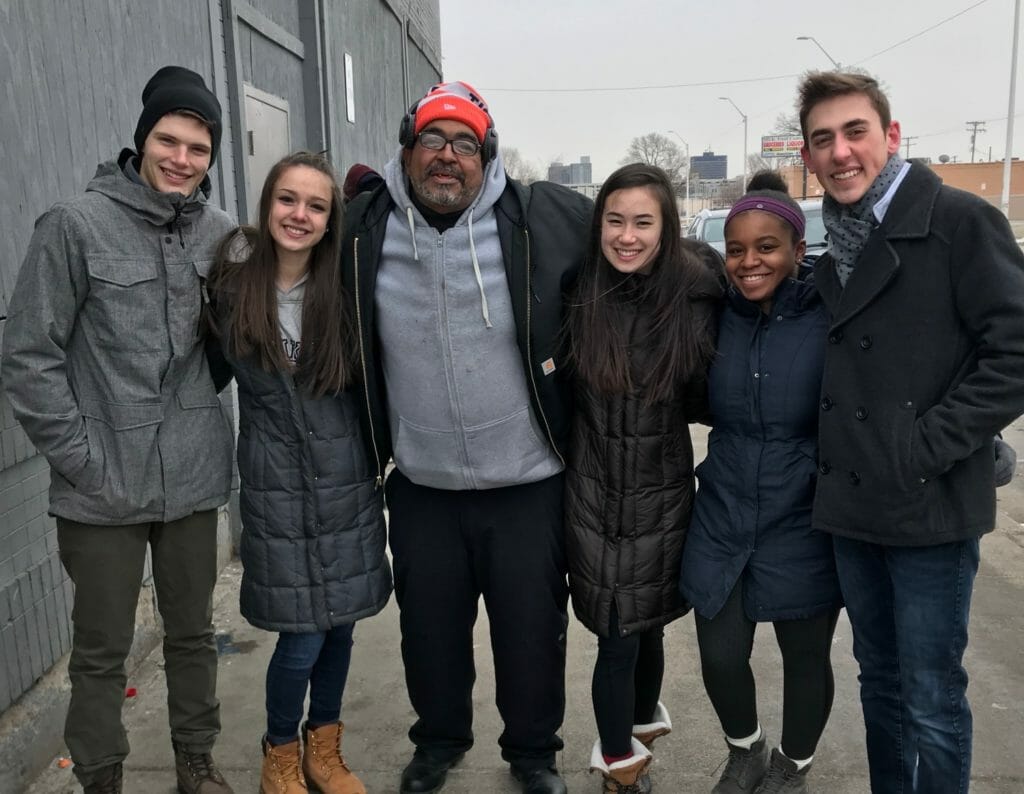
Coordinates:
[106,565]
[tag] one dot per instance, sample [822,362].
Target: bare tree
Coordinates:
[655,149]
[518,167]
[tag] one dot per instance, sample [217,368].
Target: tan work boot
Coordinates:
[281,772]
[197,774]
[323,764]
[629,776]
[660,725]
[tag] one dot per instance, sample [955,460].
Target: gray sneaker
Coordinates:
[783,777]
[744,769]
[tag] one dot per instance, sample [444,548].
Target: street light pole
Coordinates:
[743,115]
[680,137]
[1004,200]
[817,43]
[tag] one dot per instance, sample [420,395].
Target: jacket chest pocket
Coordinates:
[125,308]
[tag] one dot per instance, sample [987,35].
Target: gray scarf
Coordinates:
[850,225]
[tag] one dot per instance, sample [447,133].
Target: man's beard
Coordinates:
[448,196]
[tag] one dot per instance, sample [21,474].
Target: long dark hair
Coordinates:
[244,278]
[598,345]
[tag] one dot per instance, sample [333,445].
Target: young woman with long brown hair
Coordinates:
[640,339]
[313,535]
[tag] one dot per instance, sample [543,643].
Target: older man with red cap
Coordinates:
[457,272]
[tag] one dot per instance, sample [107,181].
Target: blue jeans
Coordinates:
[317,660]
[909,608]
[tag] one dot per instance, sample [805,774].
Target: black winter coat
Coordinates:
[313,535]
[925,364]
[752,517]
[629,485]
[543,232]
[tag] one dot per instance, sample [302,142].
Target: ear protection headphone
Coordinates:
[407,135]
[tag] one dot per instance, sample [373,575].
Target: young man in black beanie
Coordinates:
[103,365]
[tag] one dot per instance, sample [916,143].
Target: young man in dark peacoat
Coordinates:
[924,364]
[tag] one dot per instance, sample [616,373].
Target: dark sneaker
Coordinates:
[744,769]
[197,774]
[426,774]
[539,780]
[105,781]
[783,777]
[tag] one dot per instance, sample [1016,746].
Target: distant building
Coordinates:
[572,174]
[710,165]
[981,179]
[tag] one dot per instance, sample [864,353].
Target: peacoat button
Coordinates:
[835,337]
[865,342]
[826,403]
[824,467]
[168,239]
[861,413]
[854,478]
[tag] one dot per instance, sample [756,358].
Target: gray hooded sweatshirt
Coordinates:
[458,404]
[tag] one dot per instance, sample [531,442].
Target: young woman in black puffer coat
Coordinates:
[313,535]
[752,554]
[640,334]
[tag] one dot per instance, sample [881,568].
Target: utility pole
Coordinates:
[974,127]
[907,139]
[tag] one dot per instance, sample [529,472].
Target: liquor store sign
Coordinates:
[781,145]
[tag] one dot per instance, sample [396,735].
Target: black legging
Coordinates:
[726,642]
[626,684]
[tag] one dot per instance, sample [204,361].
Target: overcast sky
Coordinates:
[514,52]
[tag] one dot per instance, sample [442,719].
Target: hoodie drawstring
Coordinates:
[476,271]
[412,231]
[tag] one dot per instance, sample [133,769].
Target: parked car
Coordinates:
[709,227]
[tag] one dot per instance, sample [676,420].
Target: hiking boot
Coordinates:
[197,774]
[282,770]
[628,776]
[105,781]
[322,763]
[744,769]
[783,777]
[660,726]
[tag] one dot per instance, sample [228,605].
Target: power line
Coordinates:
[921,33]
[704,84]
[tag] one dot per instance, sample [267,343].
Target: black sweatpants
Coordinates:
[726,642]
[626,684]
[508,545]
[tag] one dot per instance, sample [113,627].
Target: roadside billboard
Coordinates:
[781,145]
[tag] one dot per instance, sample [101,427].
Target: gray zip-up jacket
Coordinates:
[458,402]
[103,359]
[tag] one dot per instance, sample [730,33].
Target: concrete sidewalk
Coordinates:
[377,712]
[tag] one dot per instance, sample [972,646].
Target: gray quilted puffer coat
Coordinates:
[313,534]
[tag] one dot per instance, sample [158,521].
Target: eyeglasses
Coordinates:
[464,147]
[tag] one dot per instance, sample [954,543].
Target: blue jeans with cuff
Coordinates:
[909,608]
[318,661]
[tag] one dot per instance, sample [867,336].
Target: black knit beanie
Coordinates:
[177,88]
